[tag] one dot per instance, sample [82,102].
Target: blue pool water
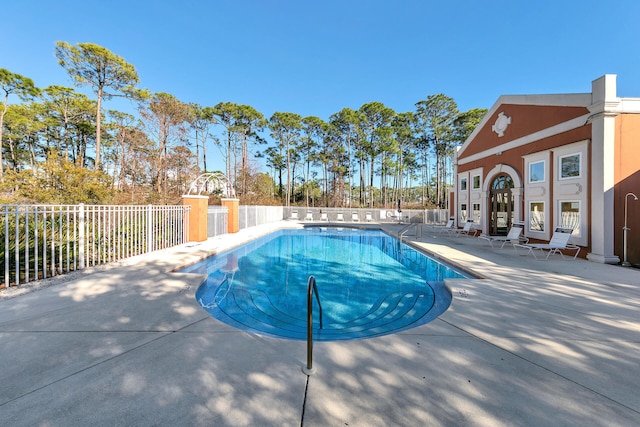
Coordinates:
[369,284]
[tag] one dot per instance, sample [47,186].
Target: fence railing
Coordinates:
[40,241]
[251,216]
[424,216]
[248,216]
[217,220]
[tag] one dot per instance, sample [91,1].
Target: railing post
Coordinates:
[81,236]
[149,228]
[6,246]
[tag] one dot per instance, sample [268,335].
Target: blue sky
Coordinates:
[316,57]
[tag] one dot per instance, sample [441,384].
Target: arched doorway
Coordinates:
[501,204]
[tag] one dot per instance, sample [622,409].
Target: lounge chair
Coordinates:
[340,217]
[559,242]
[395,215]
[355,217]
[294,215]
[447,228]
[324,217]
[514,236]
[368,217]
[469,228]
[309,216]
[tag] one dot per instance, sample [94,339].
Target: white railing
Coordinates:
[423,216]
[248,216]
[40,241]
[251,216]
[217,220]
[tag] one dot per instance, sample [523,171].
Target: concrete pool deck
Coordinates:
[533,343]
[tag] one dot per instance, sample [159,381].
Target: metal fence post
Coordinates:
[149,228]
[6,246]
[81,236]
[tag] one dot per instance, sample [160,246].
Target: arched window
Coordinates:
[502,182]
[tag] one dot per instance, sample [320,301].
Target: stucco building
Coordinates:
[557,160]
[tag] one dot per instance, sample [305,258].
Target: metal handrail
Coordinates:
[404,230]
[311,288]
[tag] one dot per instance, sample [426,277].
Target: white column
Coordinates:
[603,108]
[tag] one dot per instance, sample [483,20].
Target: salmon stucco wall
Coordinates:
[627,180]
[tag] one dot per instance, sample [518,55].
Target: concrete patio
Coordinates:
[533,343]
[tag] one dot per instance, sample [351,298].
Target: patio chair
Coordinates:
[559,242]
[447,228]
[514,236]
[324,217]
[368,217]
[309,216]
[294,215]
[469,228]
[340,217]
[355,217]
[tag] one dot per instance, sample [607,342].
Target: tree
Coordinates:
[347,122]
[248,122]
[166,119]
[276,161]
[466,123]
[377,133]
[60,181]
[201,121]
[226,114]
[71,116]
[404,134]
[96,66]
[436,116]
[21,86]
[24,127]
[285,129]
[314,130]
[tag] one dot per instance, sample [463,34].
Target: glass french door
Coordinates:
[501,209]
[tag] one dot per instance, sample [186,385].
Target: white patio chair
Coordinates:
[340,217]
[368,217]
[355,217]
[309,216]
[324,217]
[447,228]
[468,229]
[559,242]
[294,215]
[514,236]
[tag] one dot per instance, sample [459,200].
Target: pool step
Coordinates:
[391,313]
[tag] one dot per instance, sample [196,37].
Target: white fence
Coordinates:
[248,216]
[40,241]
[423,216]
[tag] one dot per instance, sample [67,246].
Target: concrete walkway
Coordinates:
[533,343]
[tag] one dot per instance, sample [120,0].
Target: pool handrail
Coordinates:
[311,289]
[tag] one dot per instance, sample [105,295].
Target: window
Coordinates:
[501,182]
[463,184]
[570,215]
[536,172]
[463,212]
[536,216]
[476,182]
[476,213]
[570,166]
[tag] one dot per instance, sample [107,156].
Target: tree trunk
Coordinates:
[98,128]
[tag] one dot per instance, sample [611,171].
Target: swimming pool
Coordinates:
[369,283]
